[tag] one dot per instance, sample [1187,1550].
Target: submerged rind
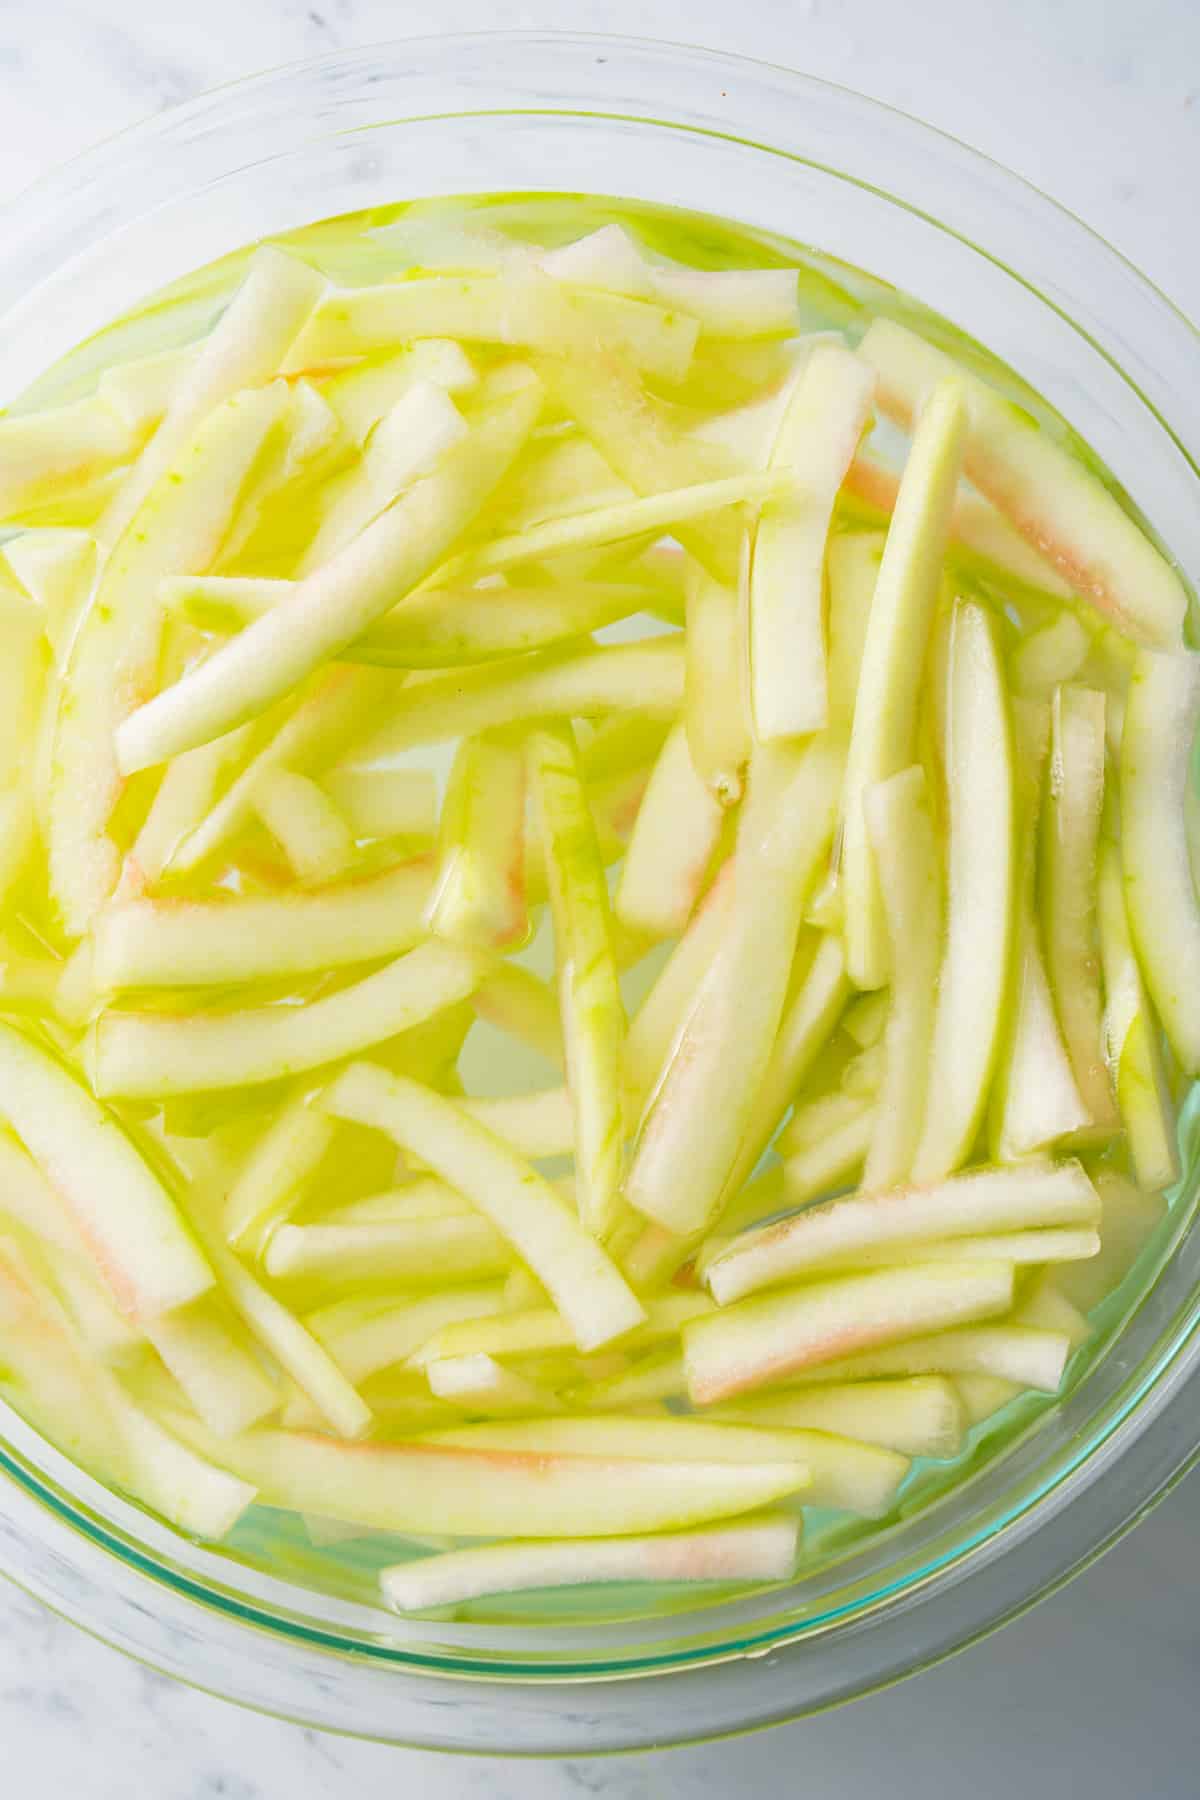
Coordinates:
[833,294]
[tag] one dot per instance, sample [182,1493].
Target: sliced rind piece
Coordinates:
[638,677]
[478,1384]
[1031,1356]
[416,1253]
[306,825]
[154,1054]
[583,1281]
[126,1217]
[590,1003]
[840,1472]
[900,829]
[750,1550]
[335,603]
[819,993]
[1034,1097]
[918,1415]
[1161,717]
[478,892]
[433,1485]
[692,1131]
[200,943]
[1026,1197]
[1057,504]
[245,349]
[113,661]
[882,736]
[772,1336]
[1070,838]
[1133,1039]
[980,884]
[674,838]
[716,701]
[817,437]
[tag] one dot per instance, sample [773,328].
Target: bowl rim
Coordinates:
[149,125]
[1172,1452]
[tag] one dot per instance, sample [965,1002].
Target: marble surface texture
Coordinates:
[1099,102]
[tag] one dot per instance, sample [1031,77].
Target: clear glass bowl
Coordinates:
[782,153]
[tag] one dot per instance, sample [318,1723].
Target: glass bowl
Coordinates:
[784,154]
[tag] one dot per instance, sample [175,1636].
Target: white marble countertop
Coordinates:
[1099,102]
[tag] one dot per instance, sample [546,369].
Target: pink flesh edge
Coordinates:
[989,475]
